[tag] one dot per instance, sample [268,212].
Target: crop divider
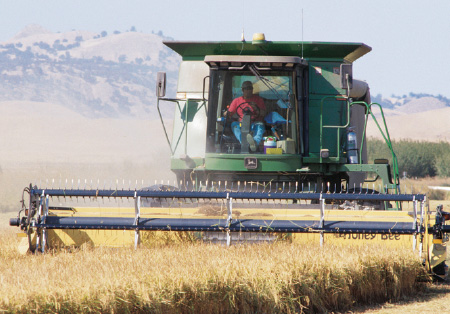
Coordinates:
[137,215]
[229,217]
[322,218]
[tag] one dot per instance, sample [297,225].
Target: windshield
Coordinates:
[259,103]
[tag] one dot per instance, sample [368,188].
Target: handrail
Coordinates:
[386,138]
[385,133]
[342,98]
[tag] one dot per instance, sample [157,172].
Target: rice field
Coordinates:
[192,277]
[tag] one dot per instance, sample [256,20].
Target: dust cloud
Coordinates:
[51,146]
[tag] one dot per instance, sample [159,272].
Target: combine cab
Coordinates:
[314,117]
[268,138]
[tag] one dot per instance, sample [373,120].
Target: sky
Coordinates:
[410,40]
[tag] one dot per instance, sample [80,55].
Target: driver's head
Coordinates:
[247,89]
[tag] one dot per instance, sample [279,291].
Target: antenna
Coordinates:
[302,33]
[243,19]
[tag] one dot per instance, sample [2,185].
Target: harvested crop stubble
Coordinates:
[202,278]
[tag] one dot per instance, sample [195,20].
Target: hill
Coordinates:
[417,117]
[431,125]
[412,103]
[96,75]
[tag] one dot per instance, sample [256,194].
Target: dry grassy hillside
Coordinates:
[432,125]
[48,142]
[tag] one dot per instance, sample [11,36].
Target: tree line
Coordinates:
[415,158]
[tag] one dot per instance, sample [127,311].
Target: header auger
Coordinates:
[268,138]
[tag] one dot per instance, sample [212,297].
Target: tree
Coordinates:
[417,158]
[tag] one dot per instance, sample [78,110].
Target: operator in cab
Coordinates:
[251,104]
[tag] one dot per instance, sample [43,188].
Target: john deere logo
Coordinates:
[251,162]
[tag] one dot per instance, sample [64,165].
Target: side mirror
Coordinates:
[346,76]
[161,84]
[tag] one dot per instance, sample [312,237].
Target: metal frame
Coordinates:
[43,221]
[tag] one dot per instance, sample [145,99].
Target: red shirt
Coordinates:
[239,104]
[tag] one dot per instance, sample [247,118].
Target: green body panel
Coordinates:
[268,163]
[317,160]
[324,78]
[189,110]
[381,170]
[232,163]
[327,116]
[333,114]
[308,50]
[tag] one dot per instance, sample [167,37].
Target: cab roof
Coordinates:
[321,51]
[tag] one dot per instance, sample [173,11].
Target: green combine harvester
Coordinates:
[307,87]
[268,138]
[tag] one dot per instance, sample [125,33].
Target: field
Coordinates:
[187,277]
[202,278]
